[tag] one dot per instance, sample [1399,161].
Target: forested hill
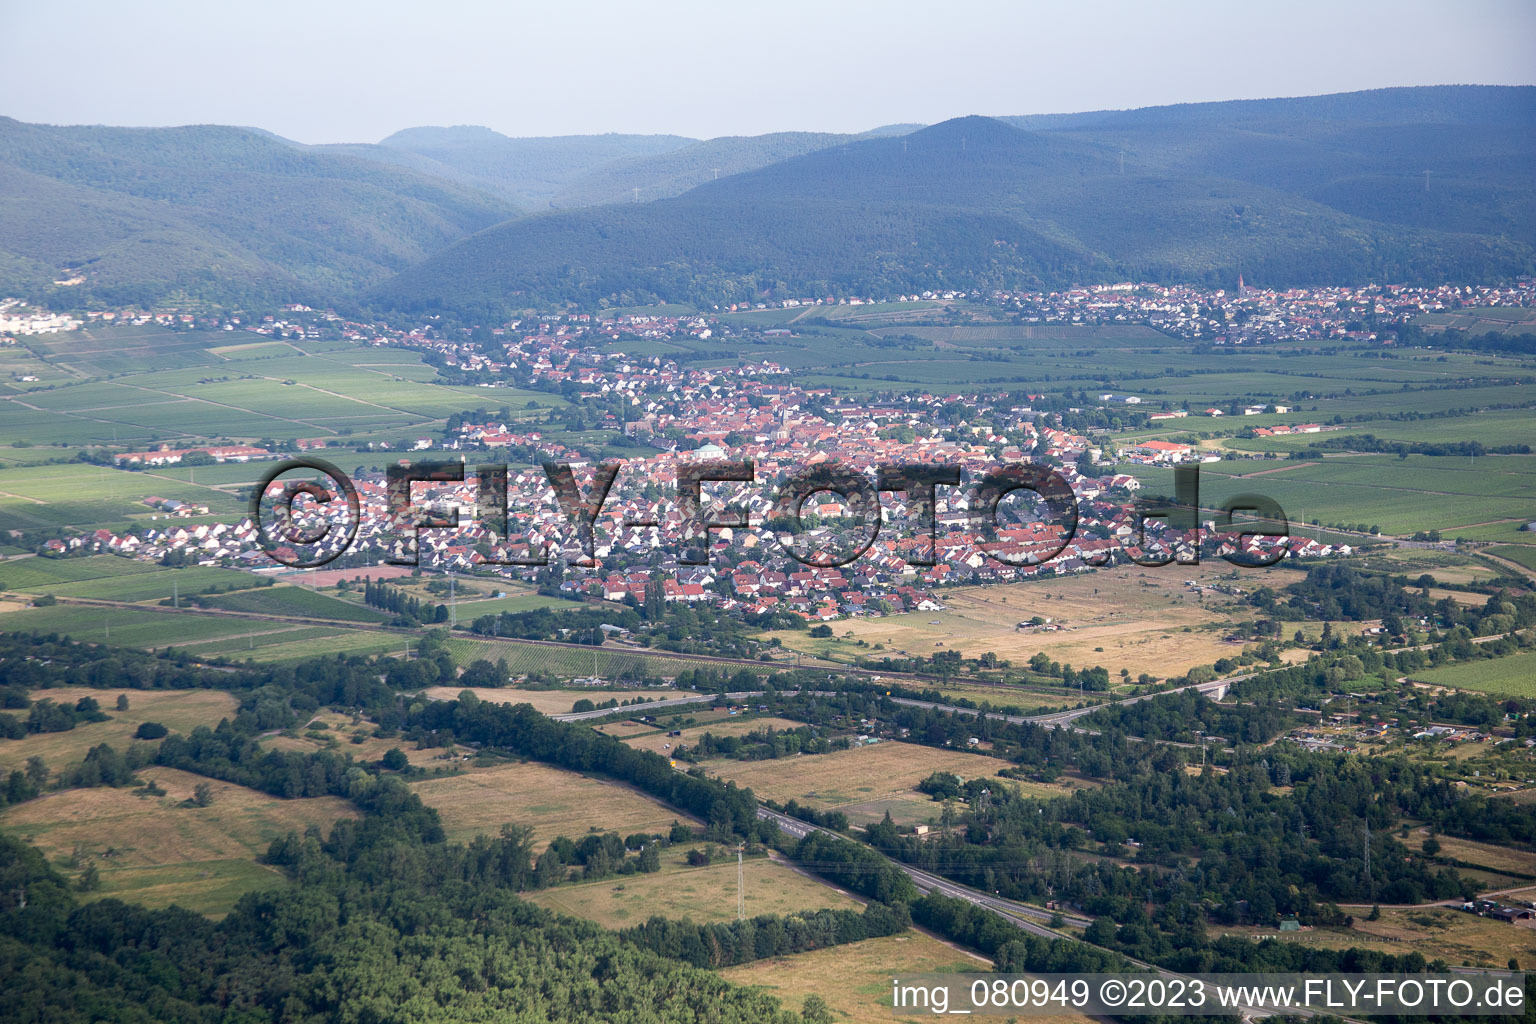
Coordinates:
[528,171]
[1364,153]
[231,214]
[1185,193]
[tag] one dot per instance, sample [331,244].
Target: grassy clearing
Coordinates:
[554,702]
[855,979]
[178,710]
[661,743]
[1494,858]
[703,894]
[1458,937]
[864,782]
[573,663]
[1514,676]
[549,800]
[201,858]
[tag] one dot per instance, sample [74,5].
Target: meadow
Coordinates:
[551,801]
[178,710]
[863,782]
[700,894]
[158,851]
[855,979]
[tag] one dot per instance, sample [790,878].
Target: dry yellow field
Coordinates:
[150,850]
[178,710]
[550,702]
[855,979]
[1458,937]
[865,782]
[1461,939]
[1494,858]
[661,743]
[702,894]
[551,801]
[1137,616]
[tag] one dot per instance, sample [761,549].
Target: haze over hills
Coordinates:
[528,171]
[1364,153]
[222,213]
[1285,191]
[675,172]
[1202,195]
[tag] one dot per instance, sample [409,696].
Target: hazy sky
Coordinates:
[333,72]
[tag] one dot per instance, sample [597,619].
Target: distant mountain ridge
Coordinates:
[1284,191]
[978,203]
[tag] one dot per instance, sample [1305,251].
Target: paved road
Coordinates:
[1021,914]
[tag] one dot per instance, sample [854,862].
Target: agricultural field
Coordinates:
[160,584]
[1402,496]
[1127,617]
[865,782]
[202,385]
[608,662]
[855,979]
[1513,676]
[178,710]
[155,851]
[702,894]
[551,702]
[352,642]
[551,801]
[1519,554]
[1481,320]
[85,497]
[37,575]
[294,600]
[124,627]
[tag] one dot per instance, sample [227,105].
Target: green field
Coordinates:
[293,600]
[162,583]
[1402,496]
[201,385]
[1519,554]
[1513,676]
[125,627]
[568,663]
[37,574]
